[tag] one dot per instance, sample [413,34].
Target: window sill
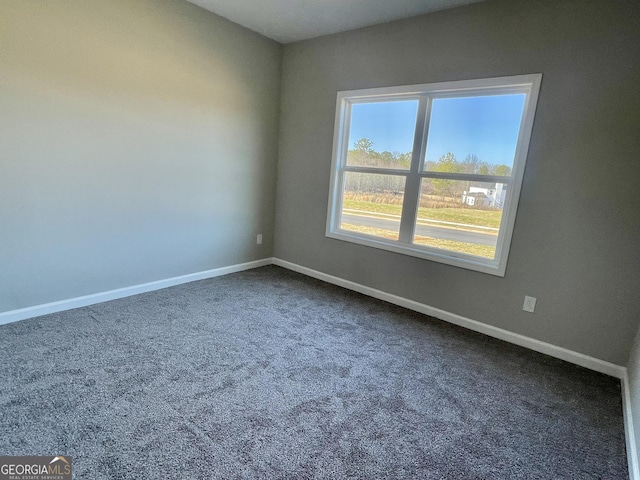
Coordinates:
[460,260]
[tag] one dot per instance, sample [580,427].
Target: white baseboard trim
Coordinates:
[53,307]
[630,437]
[547,348]
[515,338]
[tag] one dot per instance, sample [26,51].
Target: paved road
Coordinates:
[424,230]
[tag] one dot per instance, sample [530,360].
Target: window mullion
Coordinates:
[412,185]
[469,177]
[376,170]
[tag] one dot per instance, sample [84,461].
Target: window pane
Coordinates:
[372,204]
[381,134]
[460,216]
[474,134]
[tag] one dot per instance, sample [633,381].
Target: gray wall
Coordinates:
[138,142]
[576,244]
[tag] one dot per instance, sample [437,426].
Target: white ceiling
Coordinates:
[291,20]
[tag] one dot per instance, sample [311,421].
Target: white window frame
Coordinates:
[527,84]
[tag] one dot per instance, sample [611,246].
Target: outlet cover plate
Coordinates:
[529,304]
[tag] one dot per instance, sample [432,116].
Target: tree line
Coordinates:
[363,154]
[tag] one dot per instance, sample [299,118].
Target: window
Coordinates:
[434,170]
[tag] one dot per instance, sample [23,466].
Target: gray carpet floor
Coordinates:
[271,374]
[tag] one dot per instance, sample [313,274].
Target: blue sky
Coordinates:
[389,125]
[487,126]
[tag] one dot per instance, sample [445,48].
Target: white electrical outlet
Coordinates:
[259,239]
[529,304]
